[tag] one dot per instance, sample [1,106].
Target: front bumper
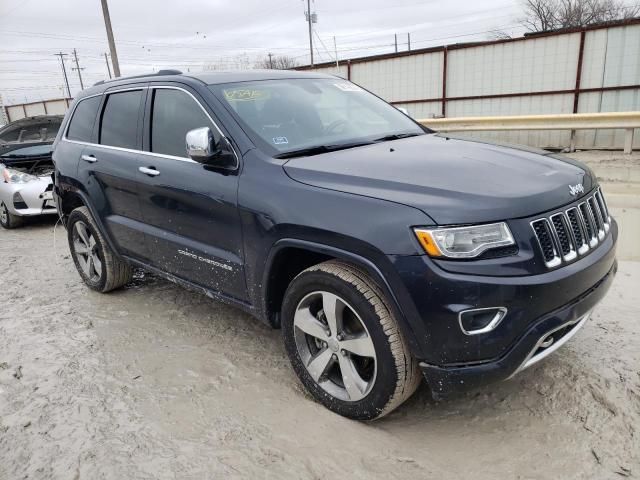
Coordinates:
[559,325]
[35,197]
[537,305]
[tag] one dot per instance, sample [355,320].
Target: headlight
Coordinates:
[464,242]
[15,176]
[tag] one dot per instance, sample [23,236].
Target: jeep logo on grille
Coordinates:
[576,189]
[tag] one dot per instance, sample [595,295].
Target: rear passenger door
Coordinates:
[109,167]
[190,209]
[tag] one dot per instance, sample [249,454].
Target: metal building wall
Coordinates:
[530,75]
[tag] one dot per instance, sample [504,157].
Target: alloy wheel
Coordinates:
[87,251]
[4,214]
[335,346]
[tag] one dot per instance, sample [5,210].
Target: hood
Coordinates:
[453,181]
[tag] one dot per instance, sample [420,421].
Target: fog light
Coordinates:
[18,202]
[481,320]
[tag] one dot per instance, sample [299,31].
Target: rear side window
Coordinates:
[119,126]
[84,116]
[174,114]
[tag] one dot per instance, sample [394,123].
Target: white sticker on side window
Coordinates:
[348,87]
[280,140]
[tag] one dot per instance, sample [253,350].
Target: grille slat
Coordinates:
[565,235]
[545,239]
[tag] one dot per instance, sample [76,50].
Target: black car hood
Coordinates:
[453,181]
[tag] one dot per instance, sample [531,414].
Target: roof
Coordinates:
[211,78]
[208,78]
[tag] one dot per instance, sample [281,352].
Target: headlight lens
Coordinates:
[15,176]
[464,242]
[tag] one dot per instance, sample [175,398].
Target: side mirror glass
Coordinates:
[202,148]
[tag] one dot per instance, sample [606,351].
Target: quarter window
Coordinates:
[119,126]
[84,116]
[174,114]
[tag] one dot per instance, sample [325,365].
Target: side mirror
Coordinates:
[202,148]
[404,110]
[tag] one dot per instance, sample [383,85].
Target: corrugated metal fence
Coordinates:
[46,107]
[593,69]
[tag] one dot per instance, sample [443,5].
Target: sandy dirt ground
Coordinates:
[154,381]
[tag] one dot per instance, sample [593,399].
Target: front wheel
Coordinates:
[344,342]
[99,267]
[8,220]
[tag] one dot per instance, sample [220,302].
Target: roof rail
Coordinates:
[158,73]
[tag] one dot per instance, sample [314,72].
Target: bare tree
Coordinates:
[541,15]
[277,62]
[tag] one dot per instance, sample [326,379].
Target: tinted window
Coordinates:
[119,125]
[174,114]
[81,124]
[33,131]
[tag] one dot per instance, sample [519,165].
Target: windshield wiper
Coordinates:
[318,149]
[35,155]
[397,136]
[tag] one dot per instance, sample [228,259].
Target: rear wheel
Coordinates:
[8,220]
[344,342]
[99,267]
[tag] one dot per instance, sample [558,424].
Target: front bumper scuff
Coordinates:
[447,381]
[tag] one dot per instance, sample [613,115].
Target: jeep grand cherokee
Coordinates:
[381,249]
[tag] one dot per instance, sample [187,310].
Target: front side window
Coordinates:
[293,114]
[174,113]
[84,116]
[119,125]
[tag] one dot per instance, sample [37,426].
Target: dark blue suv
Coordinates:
[385,252]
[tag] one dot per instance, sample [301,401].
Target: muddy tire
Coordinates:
[98,266]
[8,220]
[344,342]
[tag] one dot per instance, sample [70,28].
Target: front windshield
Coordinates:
[32,151]
[295,114]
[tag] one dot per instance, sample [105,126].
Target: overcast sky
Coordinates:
[197,34]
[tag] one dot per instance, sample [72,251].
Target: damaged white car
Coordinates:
[26,186]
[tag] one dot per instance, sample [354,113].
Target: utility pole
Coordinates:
[408,41]
[335,48]
[395,36]
[106,59]
[75,57]
[112,42]
[64,72]
[309,20]
[270,61]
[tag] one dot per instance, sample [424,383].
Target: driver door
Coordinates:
[190,210]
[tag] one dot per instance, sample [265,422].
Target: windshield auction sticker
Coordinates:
[348,87]
[246,94]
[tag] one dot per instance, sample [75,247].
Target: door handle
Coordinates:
[89,158]
[152,172]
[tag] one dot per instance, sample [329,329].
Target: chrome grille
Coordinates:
[564,236]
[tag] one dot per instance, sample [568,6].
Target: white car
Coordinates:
[26,186]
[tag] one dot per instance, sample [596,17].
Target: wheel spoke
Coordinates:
[309,324]
[353,382]
[319,364]
[82,233]
[92,242]
[332,307]
[80,248]
[84,264]
[97,264]
[362,346]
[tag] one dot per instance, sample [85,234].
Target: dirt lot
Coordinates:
[157,382]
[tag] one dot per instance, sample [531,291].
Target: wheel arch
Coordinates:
[74,198]
[276,280]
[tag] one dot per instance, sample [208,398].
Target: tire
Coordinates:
[99,267]
[8,220]
[378,390]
